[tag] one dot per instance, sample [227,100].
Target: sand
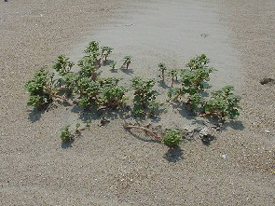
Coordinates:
[108,165]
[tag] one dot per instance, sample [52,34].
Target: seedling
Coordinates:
[127,62]
[113,66]
[162,69]
[77,126]
[105,52]
[174,75]
[172,138]
[66,135]
[88,123]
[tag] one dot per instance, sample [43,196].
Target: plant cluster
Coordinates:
[223,103]
[86,88]
[90,90]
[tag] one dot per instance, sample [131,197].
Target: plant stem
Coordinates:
[150,132]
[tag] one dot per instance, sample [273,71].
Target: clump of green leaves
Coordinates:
[199,62]
[67,79]
[223,103]
[63,65]
[162,69]
[105,52]
[66,135]
[40,89]
[172,138]
[127,60]
[174,76]
[89,93]
[144,96]
[195,102]
[113,96]
[113,66]
[193,82]
[88,68]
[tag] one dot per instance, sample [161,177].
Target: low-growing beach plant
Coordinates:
[174,76]
[113,66]
[199,62]
[195,102]
[144,96]
[113,96]
[40,89]
[89,90]
[88,123]
[89,93]
[162,69]
[105,52]
[223,103]
[172,138]
[127,60]
[63,65]
[92,50]
[66,135]
[193,80]
[87,68]
[144,92]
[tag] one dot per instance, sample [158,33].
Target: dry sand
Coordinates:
[109,166]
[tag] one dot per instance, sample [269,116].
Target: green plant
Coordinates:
[172,138]
[113,66]
[162,69]
[105,52]
[87,68]
[40,89]
[77,126]
[144,93]
[199,62]
[193,79]
[63,65]
[68,82]
[174,75]
[223,103]
[113,96]
[89,92]
[92,50]
[127,61]
[195,101]
[139,111]
[66,135]
[153,107]
[88,123]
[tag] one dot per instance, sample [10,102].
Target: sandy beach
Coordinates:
[108,165]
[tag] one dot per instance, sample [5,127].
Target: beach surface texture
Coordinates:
[108,165]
